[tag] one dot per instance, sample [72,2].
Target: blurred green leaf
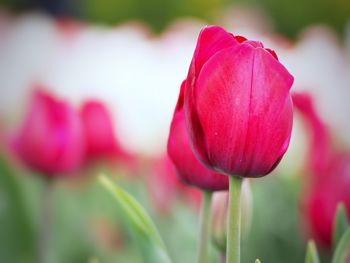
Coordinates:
[277,219]
[342,251]
[257,261]
[311,253]
[139,221]
[340,224]
[14,217]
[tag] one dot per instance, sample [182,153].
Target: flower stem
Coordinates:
[233,249]
[45,227]
[204,234]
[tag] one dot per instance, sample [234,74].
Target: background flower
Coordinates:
[329,172]
[50,140]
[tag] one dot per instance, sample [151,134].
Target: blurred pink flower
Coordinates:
[330,174]
[320,150]
[100,137]
[322,198]
[68,28]
[50,140]
[165,187]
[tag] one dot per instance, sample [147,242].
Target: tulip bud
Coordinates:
[50,140]
[100,138]
[220,211]
[238,107]
[188,168]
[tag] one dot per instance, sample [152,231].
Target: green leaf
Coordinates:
[257,261]
[311,253]
[17,232]
[340,224]
[342,251]
[140,222]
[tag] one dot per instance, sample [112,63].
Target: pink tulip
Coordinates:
[188,168]
[330,175]
[322,198]
[237,104]
[99,132]
[50,140]
[321,151]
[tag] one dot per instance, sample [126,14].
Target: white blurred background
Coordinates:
[138,74]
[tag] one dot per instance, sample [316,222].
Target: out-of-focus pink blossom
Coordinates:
[51,139]
[322,198]
[100,136]
[68,28]
[320,150]
[330,175]
[165,187]
[99,132]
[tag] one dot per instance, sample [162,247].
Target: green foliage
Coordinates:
[290,17]
[275,234]
[311,253]
[340,224]
[138,221]
[79,207]
[342,252]
[14,218]
[158,14]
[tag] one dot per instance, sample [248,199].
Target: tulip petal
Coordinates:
[50,140]
[321,152]
[271,117]
[231,93]
[188,167]
[222,103]
[211,40]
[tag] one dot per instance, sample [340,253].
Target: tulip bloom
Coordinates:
[188,168]
[330,174]
[51,139]
[99,132]
[237,104]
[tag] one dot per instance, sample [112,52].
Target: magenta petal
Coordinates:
[222,102]
[211,40]
[254,43]
[243,111]
[270,115]
[99,131]
[189,169]
[51,139]
[321,152]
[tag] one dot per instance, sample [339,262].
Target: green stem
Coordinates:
[204,232]
[45,227]
[233,249]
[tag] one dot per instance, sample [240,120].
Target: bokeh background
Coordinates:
[132,56]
